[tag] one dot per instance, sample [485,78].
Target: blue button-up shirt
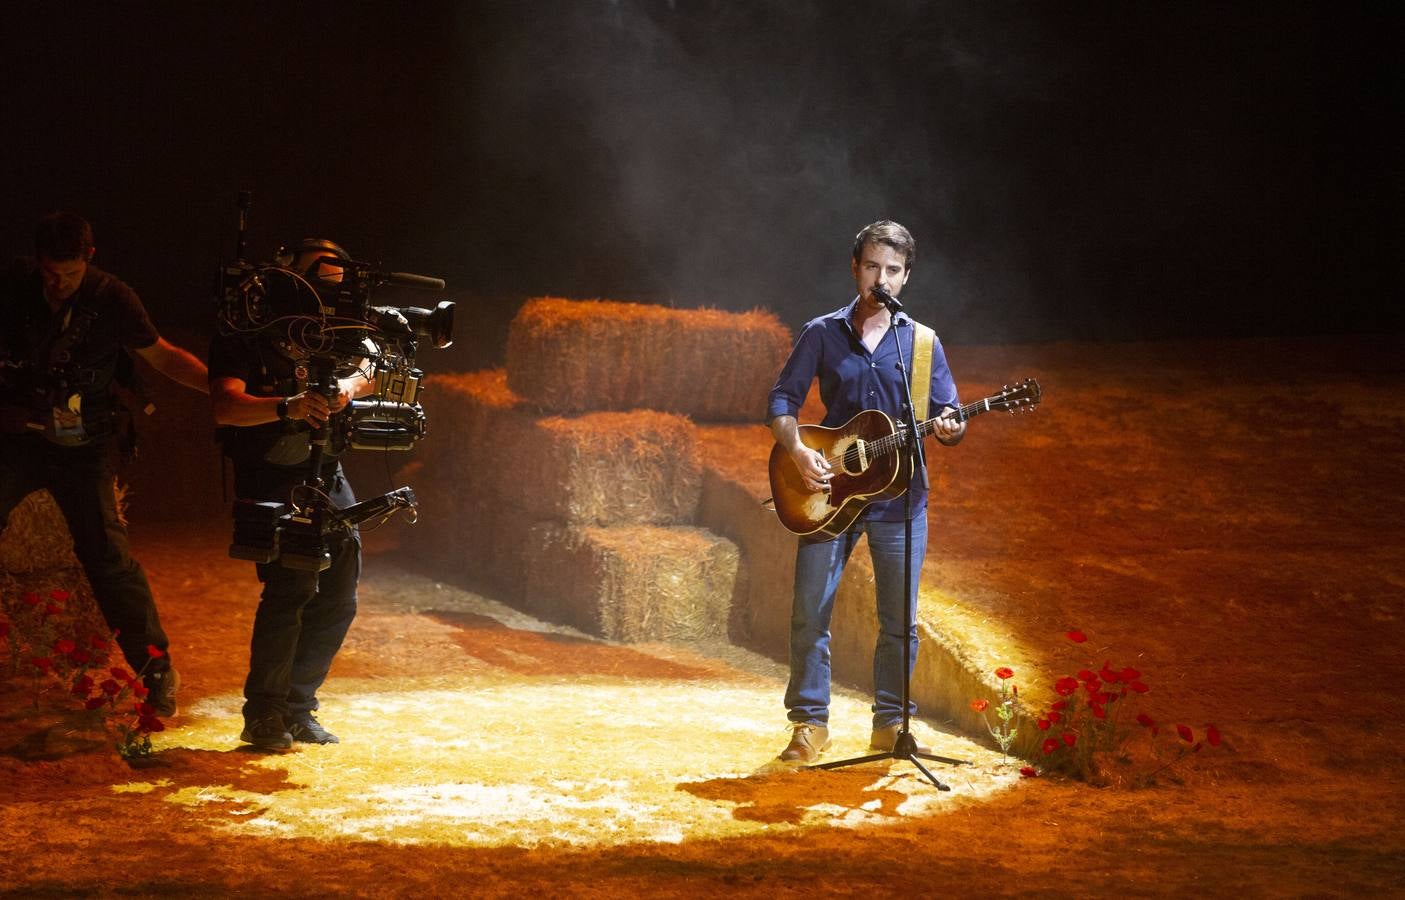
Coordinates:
[852,380]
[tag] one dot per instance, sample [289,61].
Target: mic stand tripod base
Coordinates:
[904,747]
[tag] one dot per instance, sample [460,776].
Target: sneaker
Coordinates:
[161,691]
[267,733]
[886,738]
[807,741]
[305,729]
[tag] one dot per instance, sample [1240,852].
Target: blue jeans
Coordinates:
[303,616]
[818,567]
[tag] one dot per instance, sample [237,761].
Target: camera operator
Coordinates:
[67,329]
[267,415]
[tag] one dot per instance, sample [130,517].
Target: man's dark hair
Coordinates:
[890,233]
[62,236]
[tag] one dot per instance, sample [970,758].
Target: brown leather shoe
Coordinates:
[884,739]
[807,741]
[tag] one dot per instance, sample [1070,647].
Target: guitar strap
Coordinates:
[923,340]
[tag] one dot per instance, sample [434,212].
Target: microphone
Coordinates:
[419,282]
[880,293]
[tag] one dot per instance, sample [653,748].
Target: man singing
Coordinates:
[854,352]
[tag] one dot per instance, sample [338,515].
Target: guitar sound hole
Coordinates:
[853,462]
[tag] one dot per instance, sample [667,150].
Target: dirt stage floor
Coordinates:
[1226,517]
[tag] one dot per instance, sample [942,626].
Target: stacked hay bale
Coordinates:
[36,556]
[568,484]
[36,537]
[714,366]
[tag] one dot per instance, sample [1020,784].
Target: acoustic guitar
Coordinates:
[869,460]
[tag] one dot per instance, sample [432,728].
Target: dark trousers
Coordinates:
[303,616]
[80,480]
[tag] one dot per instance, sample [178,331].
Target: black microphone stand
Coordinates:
[905,745]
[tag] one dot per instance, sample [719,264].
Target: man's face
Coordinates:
[879,264]
[61,277]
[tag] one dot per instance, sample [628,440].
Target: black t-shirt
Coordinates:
[46,357]
[266,373]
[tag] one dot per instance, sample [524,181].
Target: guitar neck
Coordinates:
[890,442]
[965,413]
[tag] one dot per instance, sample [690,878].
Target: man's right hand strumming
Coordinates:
[814,469]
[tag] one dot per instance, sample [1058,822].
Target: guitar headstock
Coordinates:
[1022,397]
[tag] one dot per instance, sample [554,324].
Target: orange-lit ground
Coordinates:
[1226,516]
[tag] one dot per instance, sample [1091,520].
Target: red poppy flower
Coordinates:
[150,724]
[1059,704]
[51,610]
[59,596]
[1129,675]
[1044,724]
[140,690]
[122,674]
[1065,686]
[1077,637]
[1049,745]
[64,646]
[80,656]
[1212,734]
[1029,772]
[42,663]
[1054,715]
[110,687]
[1085,675]
[1004,672]
[1099,712]
[1092,687]
[97,643]
[143,709]
[154,651]
[1069,738]
[1186,734]
[32,599]
[95,702]
[83,686]
[1108,675]
[1145,720]
[1139,687]
[980,705]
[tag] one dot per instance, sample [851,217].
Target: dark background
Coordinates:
[1087,171]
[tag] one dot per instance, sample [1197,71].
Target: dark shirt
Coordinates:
[80,349]
[265,373]
[852,380]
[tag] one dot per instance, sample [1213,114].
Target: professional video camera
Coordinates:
[323,318]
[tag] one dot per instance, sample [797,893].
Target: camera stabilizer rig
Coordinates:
[322,319]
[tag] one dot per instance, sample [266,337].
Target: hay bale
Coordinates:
[596,469]
[606,468]
[632,583]
[36,538]
[574,356]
